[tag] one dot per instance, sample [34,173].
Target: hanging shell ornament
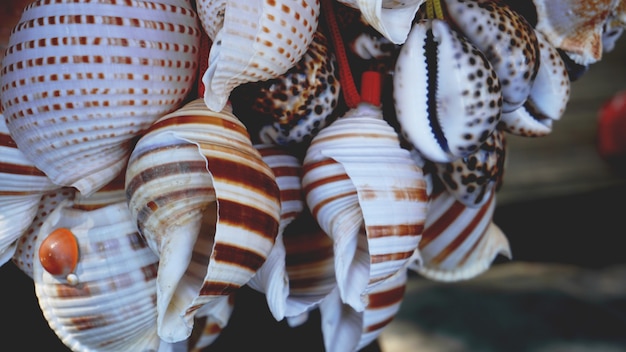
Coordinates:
[95,280]
[447,95]
[548,97]
[367,194]
[80,79]
[207,204]
[391,18]
[292,108]
[258,40]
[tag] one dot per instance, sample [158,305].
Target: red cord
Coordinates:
[350,92]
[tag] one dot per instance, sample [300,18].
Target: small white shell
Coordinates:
[258,40]
[446,93]
[80,79]
[112,305]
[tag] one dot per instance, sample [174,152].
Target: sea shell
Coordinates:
[206,203]
[473,179]
[209,322]
[458,242]
[575,26]
[107,303]
[345,329]
[80,79]
[293,107]
[507,40]
[548,97]
[368,195]
[446,94]
[258,40]
[21,187]
[391,18]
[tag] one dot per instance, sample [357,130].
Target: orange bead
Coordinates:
[58,252]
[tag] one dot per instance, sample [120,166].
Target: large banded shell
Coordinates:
[459,242]
[507,40]
[344,329]
[22,185]
[207,204]
[81,78]
[446,93]
[258,40]
[111,306]
[368,195]
[391,18]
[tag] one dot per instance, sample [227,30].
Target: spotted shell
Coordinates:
[258,40]
[458,242]
[507,40]
[80,79]
[391,18]
[447,95]
[293,107]
[108,302]
[472,180]
[368,195]
[206,203]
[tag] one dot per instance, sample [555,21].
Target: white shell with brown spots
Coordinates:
[258,40]
[473,179]
[294,107]
[446,93]
[507,40]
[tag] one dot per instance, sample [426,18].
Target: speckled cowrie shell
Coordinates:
[446,93]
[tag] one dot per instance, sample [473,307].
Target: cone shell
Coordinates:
[207,204]
[459,242]
[258,40]
[345,329]
[446,93]
[80,79]
[368,195]
[391,18]
[109,304]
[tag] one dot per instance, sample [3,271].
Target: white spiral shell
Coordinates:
[80,79]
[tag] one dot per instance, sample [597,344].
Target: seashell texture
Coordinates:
[446,94]
[507,40]
[345,329]
[391,18]
[575,27]
[548,97]
[207,204]
[80,79]
[368,195]
[21,187]
[107,303]
[293,107]
[458,242]
[258,40]
[209,322]
[472,180]
[211,14]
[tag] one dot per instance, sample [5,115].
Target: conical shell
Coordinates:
[108,302]
[368,195]
[207,204]
[446,93]
[391,18]
[258,40]
[459,242]
[81,78]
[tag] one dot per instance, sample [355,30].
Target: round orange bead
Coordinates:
[58,252]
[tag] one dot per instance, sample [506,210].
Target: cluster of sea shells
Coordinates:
[158,155]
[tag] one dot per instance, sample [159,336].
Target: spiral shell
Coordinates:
[206,203]
[459,242]
[446,93]
[258,40]
[108,302]
[368,195]
[80,79]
